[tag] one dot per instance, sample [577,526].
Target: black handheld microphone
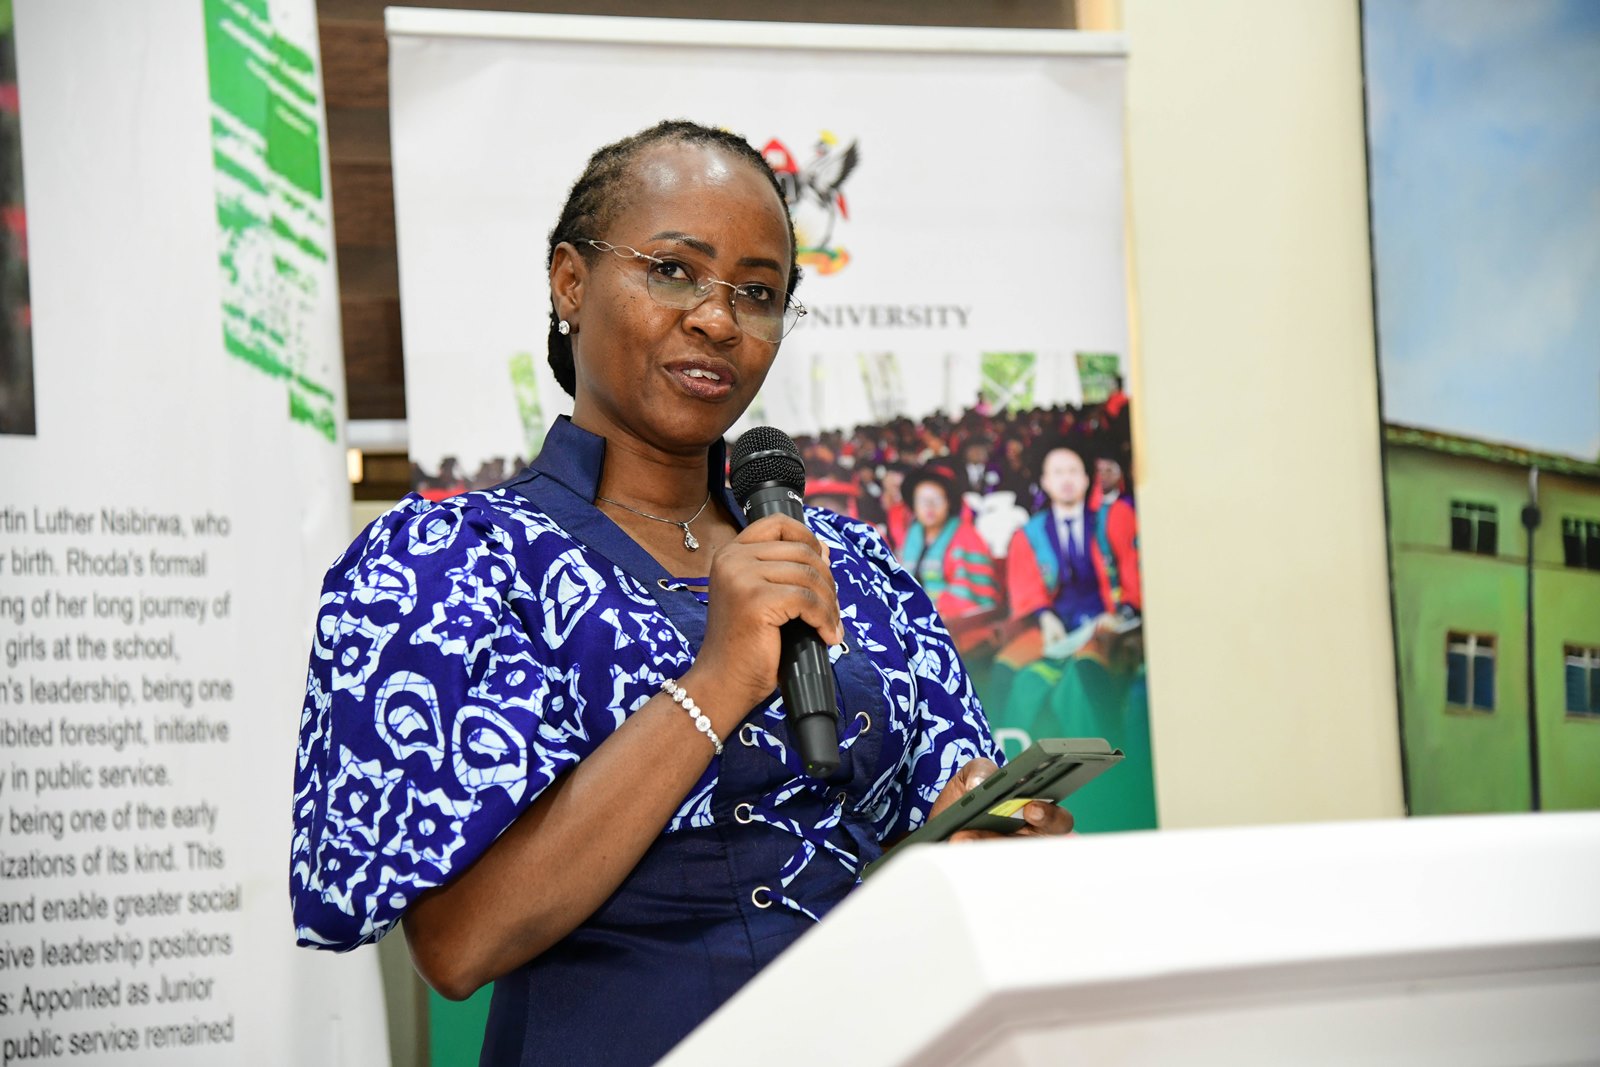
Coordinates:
[768,477]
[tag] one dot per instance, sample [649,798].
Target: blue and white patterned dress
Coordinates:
[470,651]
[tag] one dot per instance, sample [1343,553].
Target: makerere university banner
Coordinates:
[957,196]
[173,487]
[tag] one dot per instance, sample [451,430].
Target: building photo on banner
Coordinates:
[1484,126]
[960,379]
[171,423]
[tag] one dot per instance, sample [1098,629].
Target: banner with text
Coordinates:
[957,196]
[174,486]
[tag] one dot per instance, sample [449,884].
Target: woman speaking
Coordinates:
[541,726]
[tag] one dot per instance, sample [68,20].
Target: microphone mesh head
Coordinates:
[765,454]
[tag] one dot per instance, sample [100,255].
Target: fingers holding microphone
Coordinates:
[797,558]
[774,572]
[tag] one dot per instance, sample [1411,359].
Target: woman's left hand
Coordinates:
[1042,817]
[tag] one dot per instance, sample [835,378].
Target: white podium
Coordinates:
[1467,940]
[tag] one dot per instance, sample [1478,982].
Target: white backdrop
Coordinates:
[987,202]
[198,490]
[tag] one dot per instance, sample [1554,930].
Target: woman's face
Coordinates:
[930,505]
[673,380]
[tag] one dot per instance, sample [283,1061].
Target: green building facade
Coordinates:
[1463,582]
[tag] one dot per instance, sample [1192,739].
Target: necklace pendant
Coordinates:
[690,542]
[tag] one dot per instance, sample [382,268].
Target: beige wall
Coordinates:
[1260,496]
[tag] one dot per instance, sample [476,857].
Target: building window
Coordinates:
[1469,672]
[1583,682]
[1580,542]
[1474,527]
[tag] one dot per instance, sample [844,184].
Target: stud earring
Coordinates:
[563,327]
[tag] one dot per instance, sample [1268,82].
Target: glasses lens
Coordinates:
[758,310]
[673,292]
[759,313]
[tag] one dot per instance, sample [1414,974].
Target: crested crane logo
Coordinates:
[815,192]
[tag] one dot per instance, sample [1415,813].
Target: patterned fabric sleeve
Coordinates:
[947,725]
[442,698]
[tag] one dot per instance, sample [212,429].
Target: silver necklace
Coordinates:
[690,542]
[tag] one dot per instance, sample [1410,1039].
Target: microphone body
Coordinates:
[805,677]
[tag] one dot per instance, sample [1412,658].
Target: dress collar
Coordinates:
[575,457]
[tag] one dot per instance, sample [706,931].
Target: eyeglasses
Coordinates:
[759,310]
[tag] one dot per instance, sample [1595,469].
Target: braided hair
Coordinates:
[601,191]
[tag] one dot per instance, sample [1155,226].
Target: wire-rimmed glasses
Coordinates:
[761,311]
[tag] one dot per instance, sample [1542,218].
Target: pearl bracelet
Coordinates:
[701,721]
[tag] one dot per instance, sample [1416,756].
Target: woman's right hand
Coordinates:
[774,571]
[1042,818]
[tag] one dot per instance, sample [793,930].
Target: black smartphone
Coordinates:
[1049,769]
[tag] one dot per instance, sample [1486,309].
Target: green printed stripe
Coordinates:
[292,57]
[251,17]
[300,204]
[290,272]
[242,33]
[261,329]
[319,418]
[293,153]
[255,355]
[244,8]
[227,166]
[289,87]
[312,387]
[977,559]
[253,51]
[234,216]
[258,356]
[226,126]
[305,244]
